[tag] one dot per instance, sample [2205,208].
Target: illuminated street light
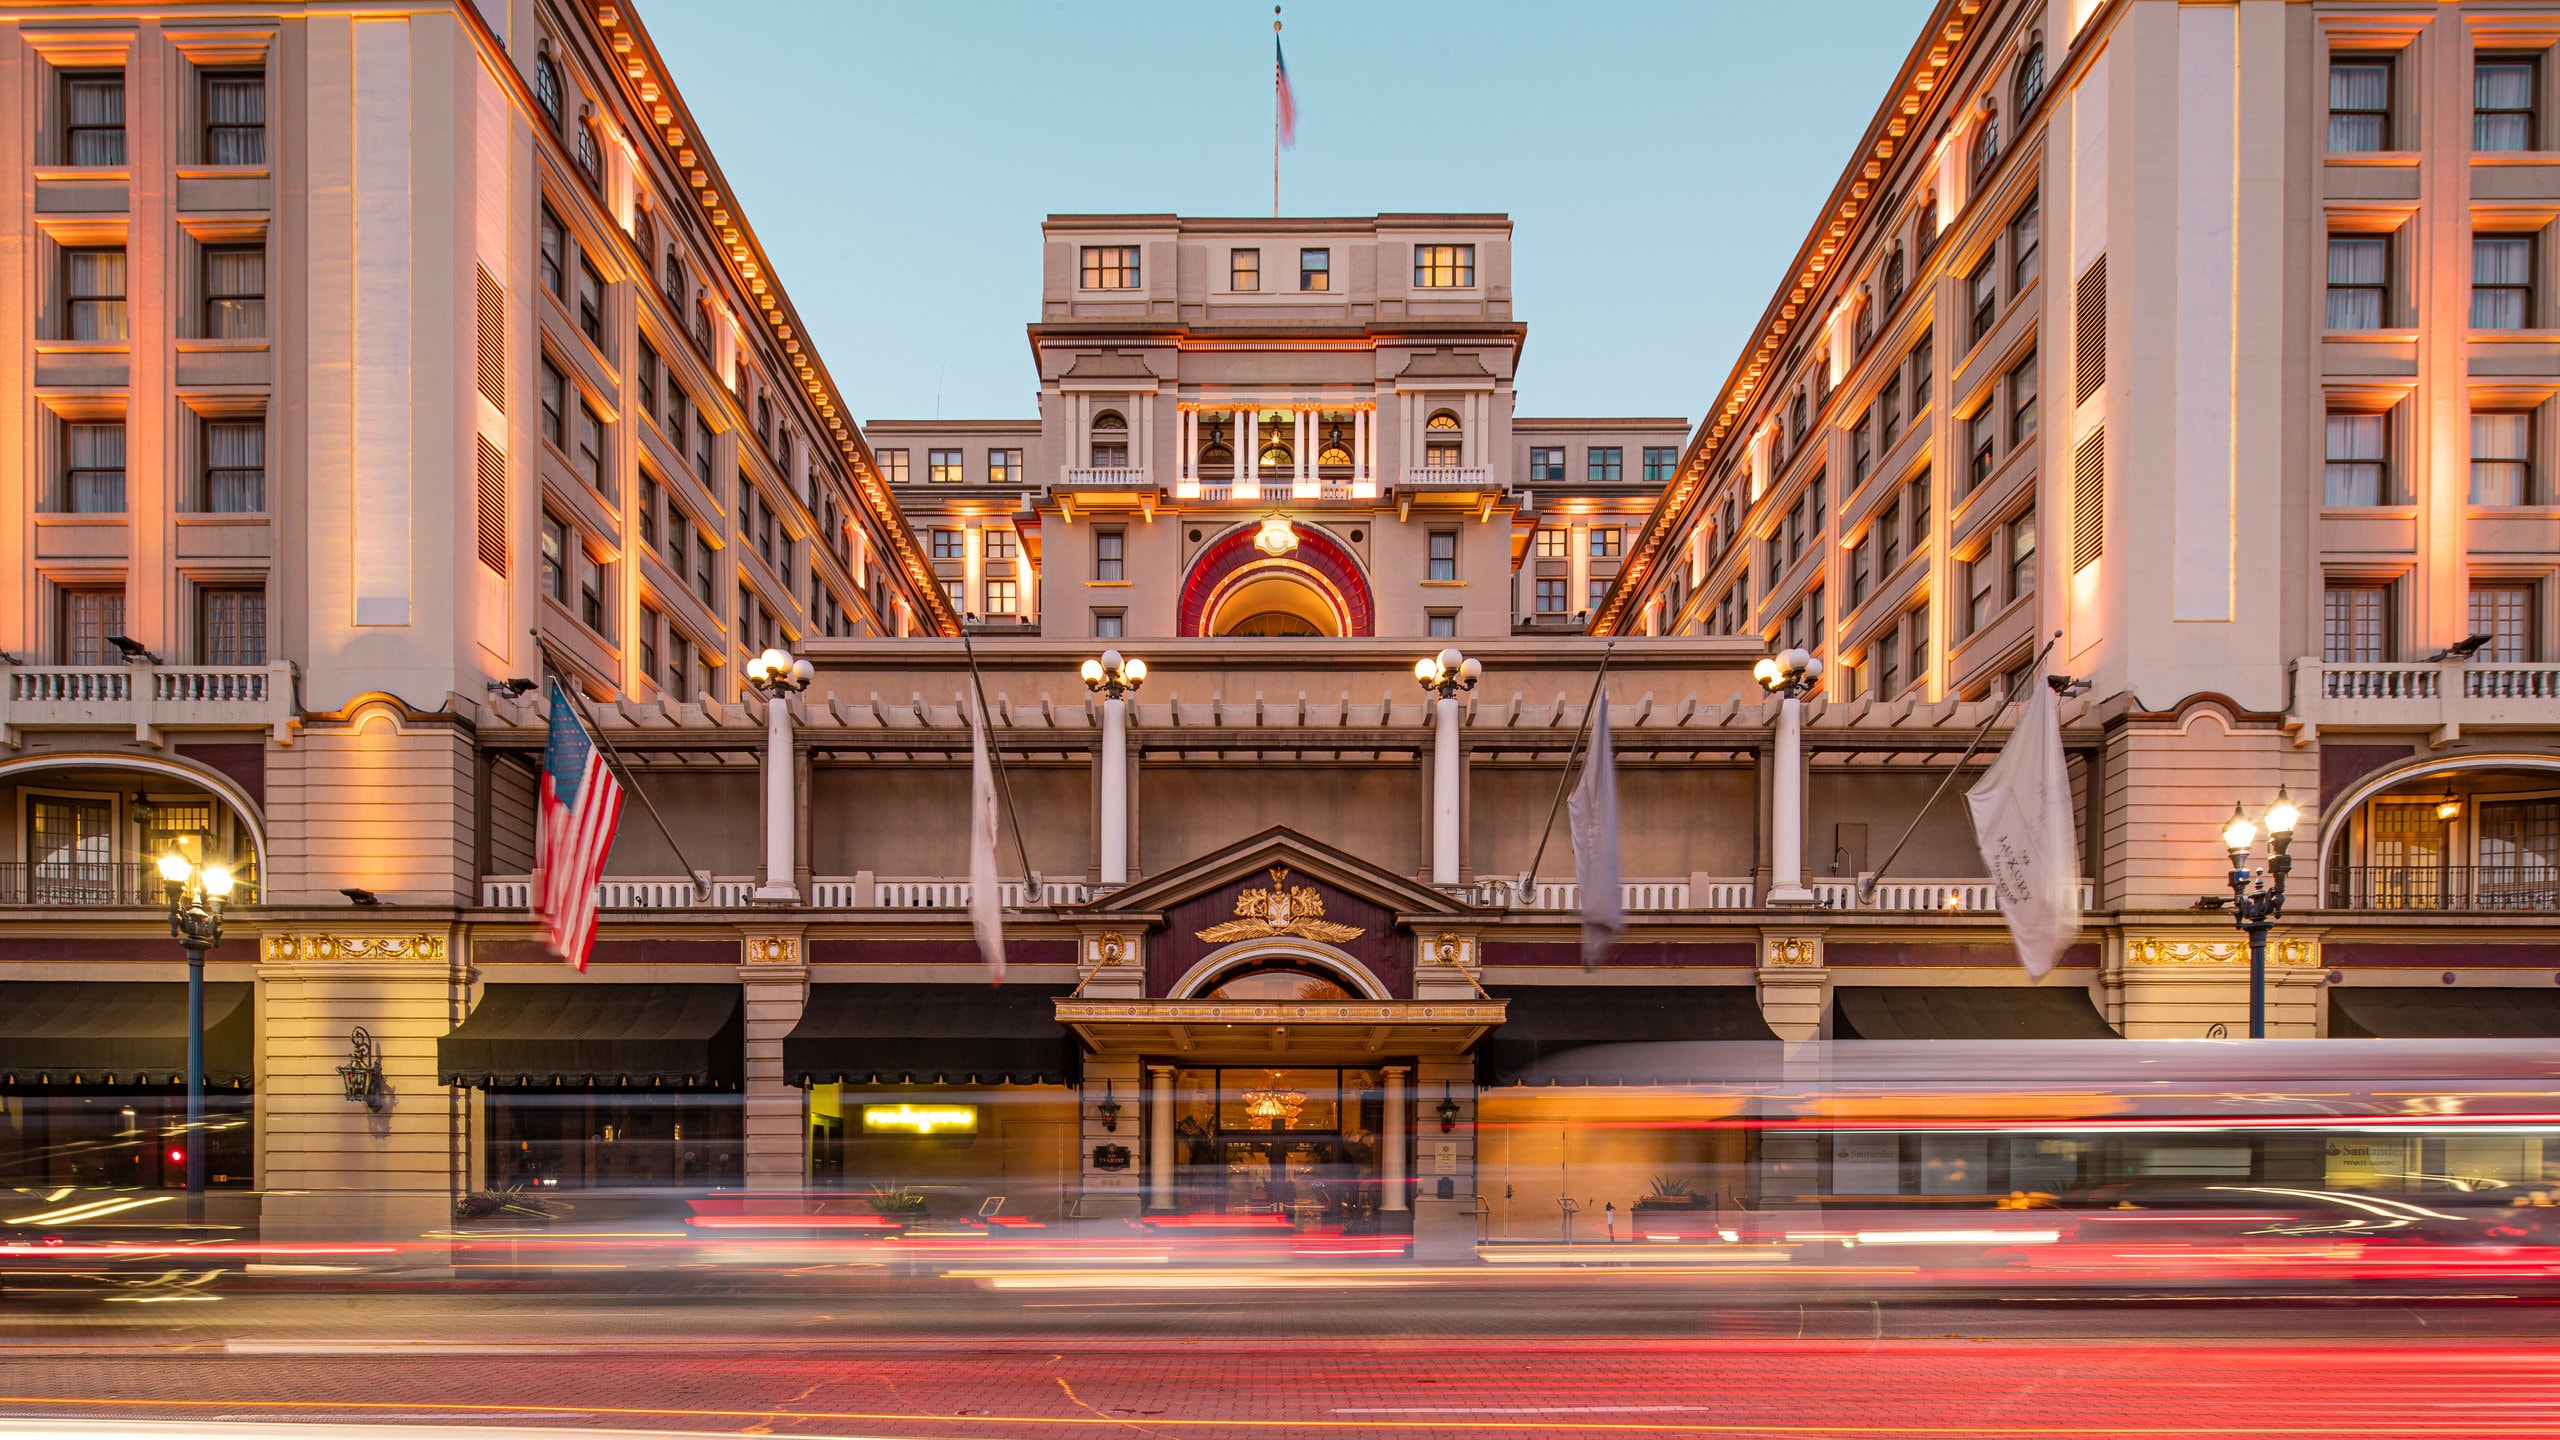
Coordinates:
[2257,897]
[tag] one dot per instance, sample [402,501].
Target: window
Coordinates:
[1599,591]
[1986,150]
[646,508]
[555,401]
[1546,462]
[231,626]
[1984,287]
[1889,404]
[590,453]
[703,563]
[945,467]
[1920,645]
[893,466]
[1916,498]
[1111,442]
[2505,614]
[590,301]
[1004,467]
[235,292]
[950,545]
[1893,280]
[1111,267]
[647,380]
[1888,665]
[1795,530]
[589,157]
[650,621]
[1443,445]
[701,446]
[1923,367]
[2022,554]
[1443,623]
[88,617]
[1605,541]
[2359,104]
[2357,472]
[546,88]
[1551,592]
[554,257]
[1444,267]
[1003,597]
[955,593]
[673,285]
[94,287]
[1605,462]
[2022,400]
[679,680]
[93,472]
[93,115]
[1552,543]
[2029,86]
[1661,462]
[1982,437]
[1106,624]
[1110,554]
[2502,103]
[1861,453]
[591,582]
[1444,555]
[235,466]
[1858,570]
[2026,258]
[1776,559]
[1889,527]
[1001,544]
[555,558]
[1315,269]
[2501,282]
[2359,267]
[2501,458]
[678,404]
[679,528]
[1981,578]
[2355,625]
[1244,269]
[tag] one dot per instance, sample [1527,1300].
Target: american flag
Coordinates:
[1287,114]
[580,805]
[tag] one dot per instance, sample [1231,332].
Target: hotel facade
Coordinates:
[1288,919]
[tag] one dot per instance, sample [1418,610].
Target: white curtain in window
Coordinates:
[96,288]
[96,113]
[235,287]
[2502,106]
[235,475]
[2355,468]
[2501,274]
[96,471]
[2356,278]
[2358,96]
[2501,458]
[235,120]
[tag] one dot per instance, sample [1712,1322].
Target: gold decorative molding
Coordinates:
[2160,950]
[1281,910]
[1112,948]
[773,949]
[313,949]
[1448,948]
[1791,950]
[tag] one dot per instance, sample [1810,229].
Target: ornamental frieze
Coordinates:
[317,949]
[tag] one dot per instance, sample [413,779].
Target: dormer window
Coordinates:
[1444,267]
[1110,267]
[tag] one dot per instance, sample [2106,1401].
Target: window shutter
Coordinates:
[2088,501]
[2089,355]
[492,506]
[493,341]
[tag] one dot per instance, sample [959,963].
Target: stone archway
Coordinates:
[1248,956]
[1317,588]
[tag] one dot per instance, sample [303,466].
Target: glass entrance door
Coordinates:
[1299,1143]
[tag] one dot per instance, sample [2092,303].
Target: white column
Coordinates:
[1146,421]
[1248,466]
[1444,796]
[1160,1138]
[1391,1143]
[1115,791]
[1786,810]
[1364,476]
[781,814]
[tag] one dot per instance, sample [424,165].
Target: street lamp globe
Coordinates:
[217,881]
[1426,669]
[1136,670]
[1092,672]
[2282,815]
[174,868]
[2238,834]
[1471,670]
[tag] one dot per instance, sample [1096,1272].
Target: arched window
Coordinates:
[1335,451]
[1986,150]
[644,233]
[590,159]
[2030,83]
[1443,441]
[1893,279]
[1277,982]
[1110,441]
[674,283]
[546,88]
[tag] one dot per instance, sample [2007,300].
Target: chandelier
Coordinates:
[1274,1105]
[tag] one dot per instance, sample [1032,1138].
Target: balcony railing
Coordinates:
[1449,477]
[1946,896]
[676,892]
[1106,477]
[146,697]
[87,883]
[1275,487]
[2443,694]
[2444,887]
[1634,895]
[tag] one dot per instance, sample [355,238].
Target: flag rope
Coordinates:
[1564,782]
[552,670]
[1867,884]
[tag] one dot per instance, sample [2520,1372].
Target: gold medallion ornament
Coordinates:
[1281,910]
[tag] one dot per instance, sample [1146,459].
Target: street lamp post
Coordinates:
[777,677]
[197,894]
[1444,675]
[2257,897]
[1790,675]
[1113,678]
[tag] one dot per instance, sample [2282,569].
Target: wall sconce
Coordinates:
[1109,1109]
[362,1074]
[1448,1108]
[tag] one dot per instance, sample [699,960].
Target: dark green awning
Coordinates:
[63,1032]
[1547,1020]
[603,1036]
[2396,1012]
[930,1034]
[1966,1012]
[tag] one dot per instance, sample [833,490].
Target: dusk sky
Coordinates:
[1660,162]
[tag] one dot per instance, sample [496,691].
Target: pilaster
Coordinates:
[1794,984]
[2165,983]
[775,977]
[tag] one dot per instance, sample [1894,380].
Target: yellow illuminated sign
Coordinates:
[920,1119]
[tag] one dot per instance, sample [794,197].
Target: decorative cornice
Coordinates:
[322,949]
[2158,950]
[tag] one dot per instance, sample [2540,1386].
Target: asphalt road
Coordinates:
[1188,1356]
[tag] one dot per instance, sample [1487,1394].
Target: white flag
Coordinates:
[986,893]
[1593,813]
[2022,819]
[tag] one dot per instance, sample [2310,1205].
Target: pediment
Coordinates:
[1309,862]
[1109,365]
[1444,365]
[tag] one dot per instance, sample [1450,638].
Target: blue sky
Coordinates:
[1660,162]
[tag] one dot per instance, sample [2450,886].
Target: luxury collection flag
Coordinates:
[581,803]
[986,893]
[2022,818]
[1593,818]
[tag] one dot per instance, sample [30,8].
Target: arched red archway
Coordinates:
[1320,563]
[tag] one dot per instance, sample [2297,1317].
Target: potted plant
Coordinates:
[1669,1192]
[898,1202]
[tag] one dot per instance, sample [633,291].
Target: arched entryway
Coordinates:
[1246,582]
[2467,832]
[88,827]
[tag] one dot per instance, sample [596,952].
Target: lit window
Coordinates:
[1315,269]
[1444,267]
[1605,541]
[1004,467]
[1244,269]
[1552,543]
[945,467]
[1110,267]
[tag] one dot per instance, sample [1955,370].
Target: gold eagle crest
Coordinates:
[1281,910]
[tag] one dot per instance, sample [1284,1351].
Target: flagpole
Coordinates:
[1564,782]
[1004,786]
[1275,118]
[552,671]
[1867,886]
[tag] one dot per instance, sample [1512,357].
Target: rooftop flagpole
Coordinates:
[630,782]
[1284,110]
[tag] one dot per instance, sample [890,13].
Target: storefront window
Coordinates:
[130,1137]
[931,1153]
[608,1139]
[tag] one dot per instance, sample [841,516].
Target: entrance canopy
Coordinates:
[78,1032]
[1548,1020]
[2410,1013]
[1337,1032]
[1965,1012]
[930,1034]
[598,1036]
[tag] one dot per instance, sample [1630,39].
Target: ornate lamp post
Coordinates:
[2257,897]
[1113,678]
[197,894]
[777,677]
[1444,675]
[1790,674]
